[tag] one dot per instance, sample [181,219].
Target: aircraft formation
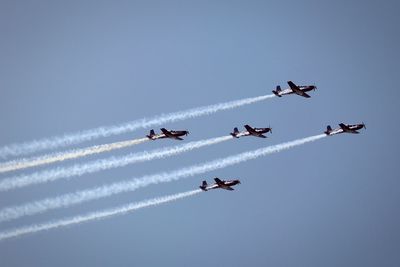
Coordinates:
[300,90]
[15,212]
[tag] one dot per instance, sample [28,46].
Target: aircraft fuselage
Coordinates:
[356,127]
[231,183]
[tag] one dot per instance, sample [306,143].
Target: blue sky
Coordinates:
[67,67]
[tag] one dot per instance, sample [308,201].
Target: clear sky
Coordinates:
[67,66]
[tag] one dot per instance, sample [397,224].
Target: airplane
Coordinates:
[258,132]
[219,184]
[294,89]
[167,134]
[345,128]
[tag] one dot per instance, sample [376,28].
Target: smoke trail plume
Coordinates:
[133,184]
[95,215]
[75,138]
[61,156]
[103,164]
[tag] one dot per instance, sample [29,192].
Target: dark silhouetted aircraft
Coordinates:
[345,128]
[167,134]
[294,89]
[258,132]
[227,185]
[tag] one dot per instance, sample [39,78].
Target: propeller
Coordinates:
[365,127]
[270,129]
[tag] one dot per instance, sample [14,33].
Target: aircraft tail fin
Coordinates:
[277,91]
[151,134]
[328,130]
[203,186]
[235,132]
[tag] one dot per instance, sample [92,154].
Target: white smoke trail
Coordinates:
[103,164]
[61,156]
[133,184]
[75,138]
[95,215]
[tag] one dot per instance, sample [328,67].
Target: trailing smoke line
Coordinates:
[61,156]
[76,138]
[103,164]
[95,215]
[70,199]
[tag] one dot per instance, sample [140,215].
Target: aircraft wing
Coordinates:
[228,188]
[297,90]
[166,132]
[304,94]
[169,134]
[254,132]
[347,129]
[249,128]
[293,86]
[218,181]
[352,131]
